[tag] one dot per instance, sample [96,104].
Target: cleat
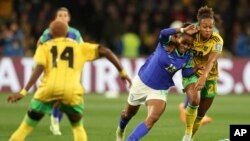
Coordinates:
[187,138]
[206,119]
[120,134]
[55,132]
[182,112]
[54,126]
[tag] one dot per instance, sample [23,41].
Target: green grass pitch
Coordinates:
[101,119]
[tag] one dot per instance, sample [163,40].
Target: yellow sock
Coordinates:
[191,113]
[197,124]
[20,134]
[79,133]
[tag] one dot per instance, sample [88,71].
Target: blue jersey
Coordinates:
[72,33]
[161,65]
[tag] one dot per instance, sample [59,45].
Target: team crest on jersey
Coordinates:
[171,68]
[218,47]
[205,48]
[184,65]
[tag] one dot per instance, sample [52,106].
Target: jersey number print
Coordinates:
[66,55]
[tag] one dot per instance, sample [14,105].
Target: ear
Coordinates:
[170,48]
[198,27]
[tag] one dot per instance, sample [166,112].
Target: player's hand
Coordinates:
[14,98]
[191,29]
[199,67]
[200,83]
[127,79]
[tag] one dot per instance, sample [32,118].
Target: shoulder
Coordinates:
[216,37]
[46,31]
[74,30]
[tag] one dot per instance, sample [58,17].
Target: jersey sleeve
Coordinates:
[75,34]
[45,36]
[165,36]
[79,37]
[218,43]
[40,56]
[90,51]
[188,70]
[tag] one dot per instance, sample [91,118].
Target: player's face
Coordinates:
[185,42]
[63,15]
[206,27]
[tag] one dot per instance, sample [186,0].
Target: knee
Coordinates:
[75,119]
[35,115]
[194,102]
[128,114]
[151,120]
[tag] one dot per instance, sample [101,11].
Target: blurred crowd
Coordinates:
[128,27]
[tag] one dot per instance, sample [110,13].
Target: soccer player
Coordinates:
[64,15]
[182,106]
[201,88]
[61,60]
[154,78]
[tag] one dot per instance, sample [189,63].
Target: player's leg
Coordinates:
[74,114]
[192,108]
[55,119]
[182,108]
[125,117]
[207,96]
[136,96]
[30,121]
[203,108]
[155,108]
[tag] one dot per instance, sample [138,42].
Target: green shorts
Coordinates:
[46,107]
[209,90]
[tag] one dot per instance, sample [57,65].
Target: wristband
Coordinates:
[182,30]
[23,92]
[123,73]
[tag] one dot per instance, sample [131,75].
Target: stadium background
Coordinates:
[109,22]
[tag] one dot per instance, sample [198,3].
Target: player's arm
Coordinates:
[189,70]
[35,75]
[40,61]
[107,53]
[213,57]
[169,35]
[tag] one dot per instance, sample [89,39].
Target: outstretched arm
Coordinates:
[105,52]
[35,75]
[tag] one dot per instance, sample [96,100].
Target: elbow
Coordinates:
[104,51]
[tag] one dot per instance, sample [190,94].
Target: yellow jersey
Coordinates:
[63,60]
[201,52]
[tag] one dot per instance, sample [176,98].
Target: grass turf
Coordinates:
[101,118]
